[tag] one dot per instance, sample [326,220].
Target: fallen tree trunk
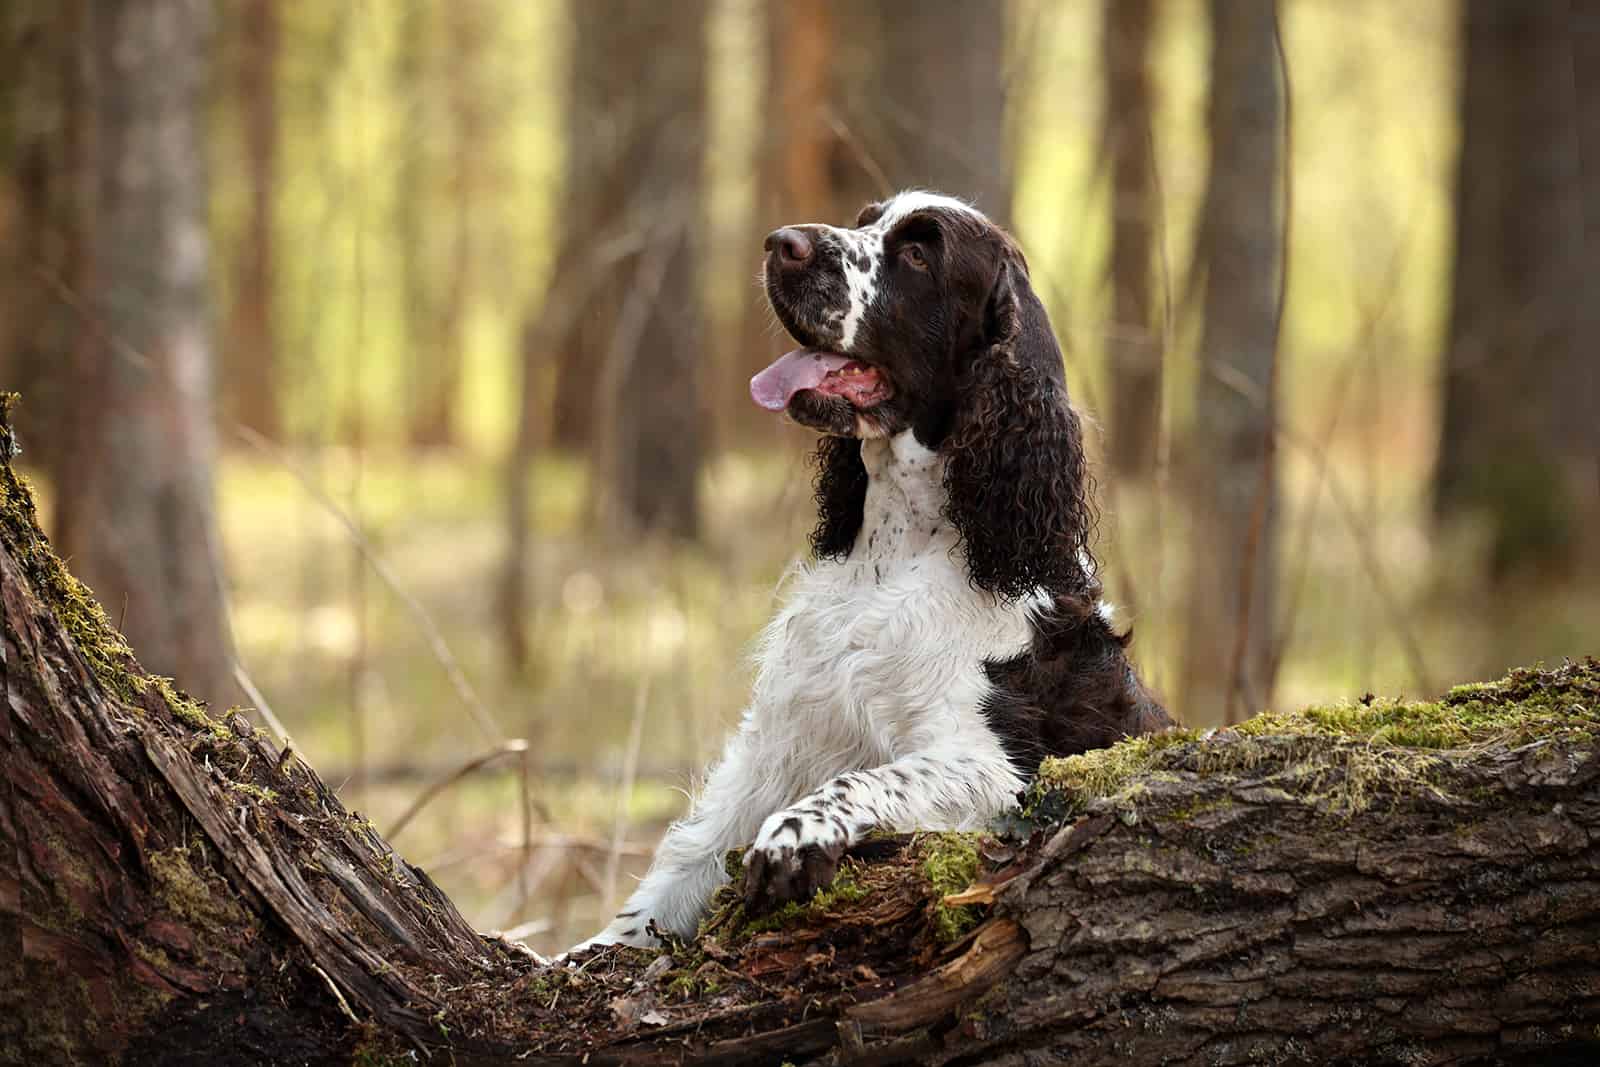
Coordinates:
[1391,883]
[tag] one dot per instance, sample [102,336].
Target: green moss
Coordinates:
[1065,786]
[1341,755]
[1191,811]
[1524,706]
[777,919]
[847,888]
[692,984]
[188,893]
[949,861]
[1105,772]
[99,642]
[260,793]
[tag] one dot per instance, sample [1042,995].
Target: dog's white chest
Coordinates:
[880,654]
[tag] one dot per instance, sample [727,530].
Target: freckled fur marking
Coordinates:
[862,258]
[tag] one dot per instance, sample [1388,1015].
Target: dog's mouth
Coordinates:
[860,384]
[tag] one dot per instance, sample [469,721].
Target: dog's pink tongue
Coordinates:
[804,368]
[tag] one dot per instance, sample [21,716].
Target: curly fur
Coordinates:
[1018,488]
[840,489]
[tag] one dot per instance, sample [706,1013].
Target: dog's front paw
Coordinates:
[796,854]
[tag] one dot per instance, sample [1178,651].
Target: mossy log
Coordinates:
[1385,883]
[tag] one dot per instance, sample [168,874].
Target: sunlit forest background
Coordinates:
[384,362]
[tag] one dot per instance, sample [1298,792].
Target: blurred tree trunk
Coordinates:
[937,120]
[252,357]
[580,305]
[1586,67]
[420,206]
[412,208]
[623,315]
[1516,311]
[41,256]
[438,366]
[133,482]
[1135,344]
[1231,476]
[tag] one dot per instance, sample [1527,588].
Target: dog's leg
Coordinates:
[687,867]
[959,784]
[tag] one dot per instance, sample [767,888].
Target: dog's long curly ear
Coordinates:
[1016,485]
[841,492]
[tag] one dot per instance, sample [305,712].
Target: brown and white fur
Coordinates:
[949,630]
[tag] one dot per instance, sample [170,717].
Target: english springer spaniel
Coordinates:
[949,632]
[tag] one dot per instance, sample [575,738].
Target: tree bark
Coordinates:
[174,891]
[1231,471]
[1517,321]
[1127,133]
[135,498]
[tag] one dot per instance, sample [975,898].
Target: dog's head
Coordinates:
[922,318]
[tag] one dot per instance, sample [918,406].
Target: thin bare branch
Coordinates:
[515,746]
[868,163]
[259,702]
[430,630]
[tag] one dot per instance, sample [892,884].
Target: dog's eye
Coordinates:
[912,254]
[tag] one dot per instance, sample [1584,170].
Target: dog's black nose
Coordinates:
[793,247]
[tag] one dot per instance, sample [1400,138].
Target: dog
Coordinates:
[949,630]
